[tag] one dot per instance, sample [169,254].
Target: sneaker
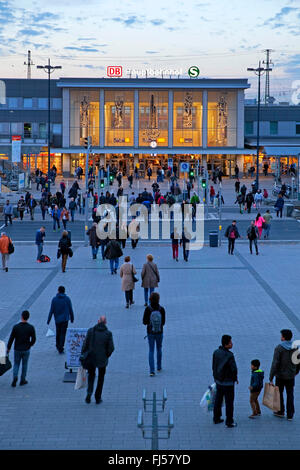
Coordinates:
[98,401]
[131,303]
[289,419]
[88,399]
[159,370]
[231,425]
[127,306]
[278,414]
[23,382]
[152,374]
[115,271]
[252,416]
[14,382]
[219,421]
[6,269]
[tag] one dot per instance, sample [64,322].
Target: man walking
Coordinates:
[232,234]
[23,335]
[284,368]
[252,234]
[61,308]
[39,241]
[225,375]
[72,208]
[32,204]
[99,342]
[154,318]
[267,217]
[8,212]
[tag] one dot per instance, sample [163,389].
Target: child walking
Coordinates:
[256,385]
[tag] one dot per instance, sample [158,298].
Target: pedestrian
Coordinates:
[113,252]
[240,201]
[55,213]
[265,194]
[284,369]
[149,173]
[232,234]
[279,205]
[258,199]
[62,310]
[64,246]
[256,385]
[127,274]
[65,217]
[32,205]
[252,234]
[237,186]
[249,201]
[175,236]
[150,277]
[8,212]
[267,226]
[244,190]
[39,241]
[4,250]
[62,187]
[95,242]
[27,197]
[43,206]
[266,167]
[185,242]
[212,194]
[119,179]
[99,342]
[154,318]
[130,180]
[72,207]
[134,232]
[225,375]
[259,222]
[23,336]
[21,207]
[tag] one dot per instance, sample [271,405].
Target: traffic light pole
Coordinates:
[86,211]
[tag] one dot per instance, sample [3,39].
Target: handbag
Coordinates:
[87,358]
[11,248]
[154,272]
[80,379]
[5,367]
[58,253]
[271,397]
[70,252]
[135,279]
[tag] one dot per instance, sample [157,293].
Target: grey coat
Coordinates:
[126,271]
[150,275]
[102,344]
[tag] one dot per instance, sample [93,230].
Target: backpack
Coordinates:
[155,322]
[44,259]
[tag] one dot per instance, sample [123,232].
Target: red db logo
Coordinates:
[114,71]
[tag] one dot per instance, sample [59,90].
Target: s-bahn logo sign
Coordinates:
[114,71]
[194,71]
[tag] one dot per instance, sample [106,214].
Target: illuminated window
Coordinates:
[84,116]
[153,118]
[119,117]
[187,118]
[221,119]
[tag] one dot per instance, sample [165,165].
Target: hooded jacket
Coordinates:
[224,366]
[61,308]
[282,365]
[99,340]
[257,380]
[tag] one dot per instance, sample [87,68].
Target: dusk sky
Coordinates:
[222,38]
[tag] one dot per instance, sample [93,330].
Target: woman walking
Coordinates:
[65,217]
[150,277]
[5,241]
[64,245]
[259,222]
[127,272]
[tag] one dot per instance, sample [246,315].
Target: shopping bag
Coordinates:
[6,366]
[80,379]
[208,400]
[254,205]
[271,397]
[50,333]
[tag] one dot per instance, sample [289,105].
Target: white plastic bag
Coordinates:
[80,379]
[208,400]
[50,333]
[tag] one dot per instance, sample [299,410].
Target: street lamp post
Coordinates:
[258,71]
[49,69]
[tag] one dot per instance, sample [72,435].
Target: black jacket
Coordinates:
[23,334]
[230,228]
[99,340]
[64,244]
[224,366]
[147,314]
[283,366]
[113,250]
[257,380]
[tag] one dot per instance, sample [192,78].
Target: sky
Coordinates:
[221,37]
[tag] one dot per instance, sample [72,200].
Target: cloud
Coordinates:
[92,66]
[280,15]
[130,21]
[151,52]
[157,22]
[44,16]
[30,32]
[6,11]
[81,49]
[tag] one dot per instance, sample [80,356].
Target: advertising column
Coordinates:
[16,142]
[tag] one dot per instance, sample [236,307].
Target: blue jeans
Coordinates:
[39,251]
[114,264]
[95,250]
[18,357]
[146,292]
[267,230]
[55,221]
[152,339]
[72,214]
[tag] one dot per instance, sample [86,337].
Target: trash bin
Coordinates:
[213,239]
[289,210]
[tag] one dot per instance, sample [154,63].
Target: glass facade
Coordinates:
[119,118]
[84,116]
[221,118]
[153,118]
[187,118]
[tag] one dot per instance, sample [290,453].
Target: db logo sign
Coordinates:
[114,71]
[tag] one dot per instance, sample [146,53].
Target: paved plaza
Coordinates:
[250,297]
